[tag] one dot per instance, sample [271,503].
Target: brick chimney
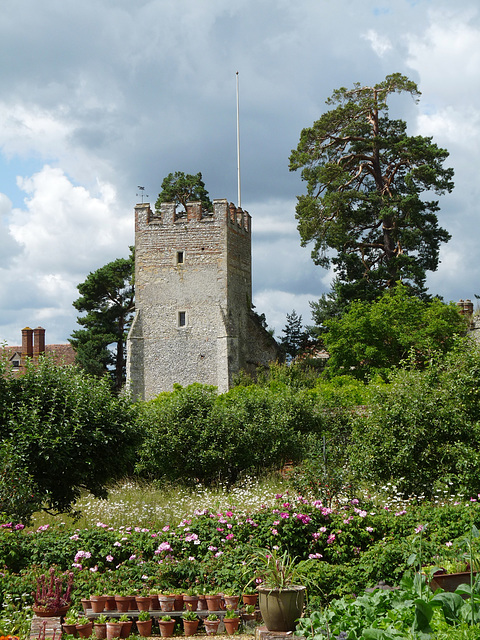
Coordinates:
[27,342]
[38,342]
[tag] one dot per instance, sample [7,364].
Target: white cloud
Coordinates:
[380,43]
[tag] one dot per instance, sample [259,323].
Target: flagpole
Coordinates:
[238,147]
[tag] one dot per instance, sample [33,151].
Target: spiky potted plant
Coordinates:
[281,589]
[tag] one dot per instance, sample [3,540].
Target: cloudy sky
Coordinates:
[100,96]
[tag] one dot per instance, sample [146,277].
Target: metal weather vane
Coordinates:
[142,194]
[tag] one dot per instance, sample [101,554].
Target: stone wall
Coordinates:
[193,299]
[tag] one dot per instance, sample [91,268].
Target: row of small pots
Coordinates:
[119,629]
[166,603]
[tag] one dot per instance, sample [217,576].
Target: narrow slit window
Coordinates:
[180,257]
[182,318]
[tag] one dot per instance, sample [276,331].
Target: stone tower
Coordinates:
[193,295]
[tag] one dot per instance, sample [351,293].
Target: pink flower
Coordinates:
[109,558]
[448,544]
[420,528]
[274,532]
[369,529]
[331,538]
[229,537]
[315,556]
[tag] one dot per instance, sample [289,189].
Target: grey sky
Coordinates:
[100,96]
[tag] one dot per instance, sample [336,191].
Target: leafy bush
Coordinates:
[424,427]
[69,431]
[193,435]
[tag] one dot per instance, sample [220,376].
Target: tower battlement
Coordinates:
[193,296]
[169,214]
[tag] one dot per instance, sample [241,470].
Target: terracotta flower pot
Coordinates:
[114,630]
[110,604]
[231,625]
[231,602]
[213,602]
[190,602]
[167,603]
[154,603]
[143,603]
[250,599]
[178,601]
[42,612]
[211,626]
[84,630]
[166,628]
[144,627]
[97,603]
[190,627]
[100,630]
[123,603]
[126,629]
[70,629]
[202,603]
[86,604]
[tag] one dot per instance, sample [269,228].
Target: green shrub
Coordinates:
[69,431]
[424,427]
[193,435]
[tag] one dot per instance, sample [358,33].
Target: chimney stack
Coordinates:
[39,342]
[27,342]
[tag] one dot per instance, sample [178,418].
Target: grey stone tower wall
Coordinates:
[210,285]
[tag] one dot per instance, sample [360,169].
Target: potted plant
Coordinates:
[100,626]
[190,622]
[114,628]
[231,601]
[123,602]
[49,597]
[84,627]
[144,623]
[190,599]
[166,624]
[249,596]
[97,602]
[166,601]
[281,591]
[143,602]
[211,623]
[126,625]
[213,601]
[231,621]
[249,614]
[70,622]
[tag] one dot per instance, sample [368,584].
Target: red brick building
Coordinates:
[33,346]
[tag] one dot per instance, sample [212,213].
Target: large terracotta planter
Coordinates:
[114,630]
[144,627]
[166,628]
[450,581]
[213,602]
[190,627]
[281,608]
[231,625]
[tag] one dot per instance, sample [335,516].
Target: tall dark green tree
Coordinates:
[364,208]
[181,188]
[107,298]
[295,338]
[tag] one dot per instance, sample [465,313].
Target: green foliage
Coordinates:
[365,177]
[424,427]
[194,435]
[373,337]
[62,432]
[295,339]
[107,297]
[181,188]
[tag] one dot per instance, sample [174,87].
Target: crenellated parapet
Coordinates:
[170,214]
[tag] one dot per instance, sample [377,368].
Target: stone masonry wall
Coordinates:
[192,270]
